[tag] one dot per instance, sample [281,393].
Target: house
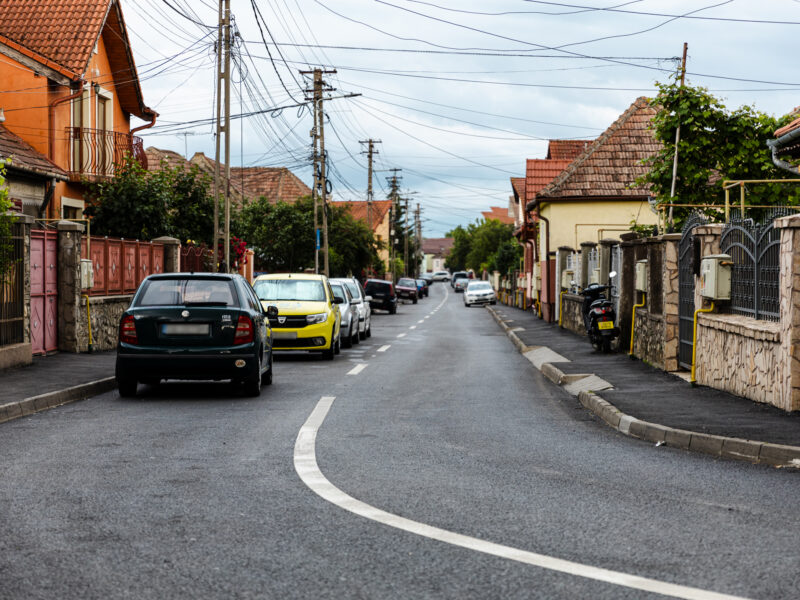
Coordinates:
[75,89]
[435,252]
[498,213]
[276,184]
[375,214]
[595,196]
[787,145]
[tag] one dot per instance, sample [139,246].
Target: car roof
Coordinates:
[300,276]
[195,275]
[378,281]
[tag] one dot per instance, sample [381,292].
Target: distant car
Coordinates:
[309,317]
[458,275]
[361,303]
[422,288]
[407,288]
[382,294]
[441,276]
[479,292]
[207,326]
[428,277]
[460,284]
[348,312]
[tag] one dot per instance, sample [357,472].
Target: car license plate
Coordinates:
[284,335]
[185,329]
[605,325]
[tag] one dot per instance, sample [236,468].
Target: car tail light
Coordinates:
[244,330]
[127,330]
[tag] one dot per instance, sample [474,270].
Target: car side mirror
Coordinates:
[355,301]
[368,298]
[272,311]
[338,300]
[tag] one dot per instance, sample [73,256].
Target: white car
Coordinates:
[441,276]
[479,292]
[360,303]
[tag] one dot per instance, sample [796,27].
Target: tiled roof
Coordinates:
[437,246]
[539,173]
[25,158]
[155,156]
[788,128]
[498,213]
[566,149]
[380,208]
[274,183]
[610,166]
[518,185]
[64,31]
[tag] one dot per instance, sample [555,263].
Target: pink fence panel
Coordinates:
[120,265]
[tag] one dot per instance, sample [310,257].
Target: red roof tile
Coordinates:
[540,172]
[498,213]
[437,246]
[518,185]
[566,149]
[611,165]
[380,208]
[273,183]
[788,128]
[25,158]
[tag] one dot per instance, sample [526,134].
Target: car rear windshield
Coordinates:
[188,292]
[303,290]
[378,286]
[407,283]
[353,287]
[479,285]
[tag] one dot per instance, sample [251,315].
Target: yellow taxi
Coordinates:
[308,315]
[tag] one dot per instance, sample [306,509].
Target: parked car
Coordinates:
[441,276]
[349,314]
[206,326]
[407,288]
[428,277]
[458,275]
[361,303]
[382,294]
[479,292]
[422,288]
[309,316]
[460,284]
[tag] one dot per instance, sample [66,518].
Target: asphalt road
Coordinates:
[444,467]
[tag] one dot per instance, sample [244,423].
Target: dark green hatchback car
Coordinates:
[195,326]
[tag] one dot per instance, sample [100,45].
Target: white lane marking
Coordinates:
[421,320]
[401,335]
[384,348]
[357,369]
[305,463]
[413,327]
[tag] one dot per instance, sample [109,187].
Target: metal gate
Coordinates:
[686,273]
[44,291]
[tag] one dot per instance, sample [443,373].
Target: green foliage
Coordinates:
[715,144]
[6,220]
[282,237]
[141,204]
[483,245]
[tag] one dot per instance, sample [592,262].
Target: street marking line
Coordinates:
[384,348]
[305,464]
[357,369]
[413,327]
[421,320]
[401,335]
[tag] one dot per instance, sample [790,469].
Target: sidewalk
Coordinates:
[54,380]
[647,403]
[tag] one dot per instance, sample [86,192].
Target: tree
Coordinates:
[6,220]
[457,259]
[483,245]
[715,144]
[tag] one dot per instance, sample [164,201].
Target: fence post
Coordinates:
[172,254]
[69,284]
[626,280]
[671,310]
[708,236]
[586,252]
[790,310]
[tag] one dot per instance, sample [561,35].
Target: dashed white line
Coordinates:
[357,369]
[305,463]
[401,335]
[413,327]
[384,348]
[422,320]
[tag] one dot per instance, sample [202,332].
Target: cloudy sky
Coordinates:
[458,93]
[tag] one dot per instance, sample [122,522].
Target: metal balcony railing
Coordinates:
[95,153]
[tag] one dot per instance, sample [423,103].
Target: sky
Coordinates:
[459,94]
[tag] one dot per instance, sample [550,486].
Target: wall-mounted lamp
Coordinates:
[96,87]
[2,116]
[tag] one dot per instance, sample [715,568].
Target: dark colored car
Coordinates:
[407,288]
[422,288]
[458,275]
[207,326]
[381,294]
[428,277]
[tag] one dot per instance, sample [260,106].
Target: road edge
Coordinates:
[42,402]
[751,451]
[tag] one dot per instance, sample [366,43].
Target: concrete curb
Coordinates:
[34,404]
[751,451]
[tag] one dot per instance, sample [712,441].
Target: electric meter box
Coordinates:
[715,277]
[87,274]
[641,276]
[566,279]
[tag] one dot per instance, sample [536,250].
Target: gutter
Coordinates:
[778,144]
[153,117]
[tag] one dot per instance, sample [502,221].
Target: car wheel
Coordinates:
[252,384]
[266,378]
[415,300]
[330,352]
[362,335]
[356,337]
[347,342]
[126,387]
[338,348]
[151,381]
[368,333]
[393,310]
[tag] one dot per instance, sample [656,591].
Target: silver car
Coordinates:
[479,292]
[349,327]
[361,303]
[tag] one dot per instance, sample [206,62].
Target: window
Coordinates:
[71,208]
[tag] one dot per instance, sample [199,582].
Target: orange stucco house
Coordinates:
[69,87]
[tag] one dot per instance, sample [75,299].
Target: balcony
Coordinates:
[95,153]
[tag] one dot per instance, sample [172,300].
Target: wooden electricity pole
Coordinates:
[370,151]
[223,91]
[405,241]
[393,212]
[677,138]
[418,235]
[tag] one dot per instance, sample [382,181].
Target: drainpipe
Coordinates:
[547,250]
[633,320]
[48,197]
[153,117]
[781,142]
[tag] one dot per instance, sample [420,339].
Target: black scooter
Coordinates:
[599,316]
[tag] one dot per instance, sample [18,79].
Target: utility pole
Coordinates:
[677,138]
[370,151]
[405,241]
[393,212]
[223,73]
[418,236]
[320,189]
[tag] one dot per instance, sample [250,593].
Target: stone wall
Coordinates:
[649,338]
[572,318]
[106,312]
[741,355]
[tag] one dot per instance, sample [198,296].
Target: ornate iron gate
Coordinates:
[686,273]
